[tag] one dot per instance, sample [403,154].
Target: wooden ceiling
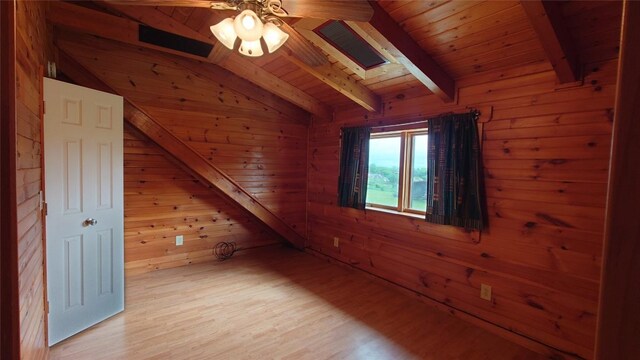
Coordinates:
[461,38]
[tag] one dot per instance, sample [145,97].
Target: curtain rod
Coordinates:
[475,111]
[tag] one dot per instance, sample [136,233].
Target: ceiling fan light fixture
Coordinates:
[225,33]
[248,26]
[251,48]
[274,37]
[257,26]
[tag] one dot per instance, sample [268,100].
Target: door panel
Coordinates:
[83,181]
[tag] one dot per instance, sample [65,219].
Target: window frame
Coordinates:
[405,173]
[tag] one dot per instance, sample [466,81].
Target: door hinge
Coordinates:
[45,208]
[44,107]
[46,305]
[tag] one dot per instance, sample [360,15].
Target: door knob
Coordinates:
[90,222]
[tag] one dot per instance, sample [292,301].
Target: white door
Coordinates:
[83,183]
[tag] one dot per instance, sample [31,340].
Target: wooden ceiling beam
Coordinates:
[124,30]
[341,82]
[547,21]
[185,155]
[383,29]
[324,71]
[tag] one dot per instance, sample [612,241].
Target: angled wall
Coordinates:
[256,138]
[162,201]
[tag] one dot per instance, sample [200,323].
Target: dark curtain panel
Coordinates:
[454,183]
[354,167]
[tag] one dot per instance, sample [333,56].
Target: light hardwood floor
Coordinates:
[278,303]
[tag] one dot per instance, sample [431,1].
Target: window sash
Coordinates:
[405,165]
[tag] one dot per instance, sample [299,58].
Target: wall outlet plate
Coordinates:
[336,241]
[485,292]
[179,240]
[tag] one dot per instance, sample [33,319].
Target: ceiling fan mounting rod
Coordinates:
[262,8]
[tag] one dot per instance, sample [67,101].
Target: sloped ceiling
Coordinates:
[463,38]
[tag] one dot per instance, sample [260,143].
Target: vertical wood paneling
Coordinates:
[546,153]
[32,46]
[162,201]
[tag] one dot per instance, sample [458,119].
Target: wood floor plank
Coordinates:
[278,303]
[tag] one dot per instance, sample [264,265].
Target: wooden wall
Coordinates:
[546,154]
[256,138]
[32,45]
[162,201]
[619,321]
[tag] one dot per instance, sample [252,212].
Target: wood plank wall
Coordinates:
[253,136]
[9,297]
[619,321]
[162,201]
[546,155]
[32,47]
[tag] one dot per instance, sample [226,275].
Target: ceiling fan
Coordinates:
[263,19]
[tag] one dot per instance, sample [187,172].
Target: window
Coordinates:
[398,171]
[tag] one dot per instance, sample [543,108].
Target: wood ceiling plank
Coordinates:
[449,9]
[165,3]
[487,29]
[386,32]
[158,20]
[402,10]
[547,21]
[467,16]
[124,30]
[355,10]
[189,158]
[181,14]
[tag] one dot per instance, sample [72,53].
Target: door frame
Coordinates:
[9,300]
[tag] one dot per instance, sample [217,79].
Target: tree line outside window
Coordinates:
[398,171]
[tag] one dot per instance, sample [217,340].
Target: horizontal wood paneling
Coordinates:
[32,47]
[163,201]
[257,139]
[546,154]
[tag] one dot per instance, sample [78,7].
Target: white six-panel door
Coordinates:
[84,195]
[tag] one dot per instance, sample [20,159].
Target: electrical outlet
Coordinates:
[336,241]
[485,292]
[179,240]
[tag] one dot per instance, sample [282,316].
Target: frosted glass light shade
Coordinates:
[251,48]
[248,26]
[224,31]
[274,37]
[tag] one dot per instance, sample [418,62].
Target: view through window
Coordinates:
[398,171]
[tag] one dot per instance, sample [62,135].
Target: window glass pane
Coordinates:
[384,171]
[418,181]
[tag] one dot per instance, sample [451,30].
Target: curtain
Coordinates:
[454,181]
[354,167]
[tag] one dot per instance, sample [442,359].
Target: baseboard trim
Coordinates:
[521,339]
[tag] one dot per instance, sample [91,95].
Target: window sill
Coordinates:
[394,212]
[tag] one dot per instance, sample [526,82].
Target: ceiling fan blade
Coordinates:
[182,3]
[350,10]
[302,48]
